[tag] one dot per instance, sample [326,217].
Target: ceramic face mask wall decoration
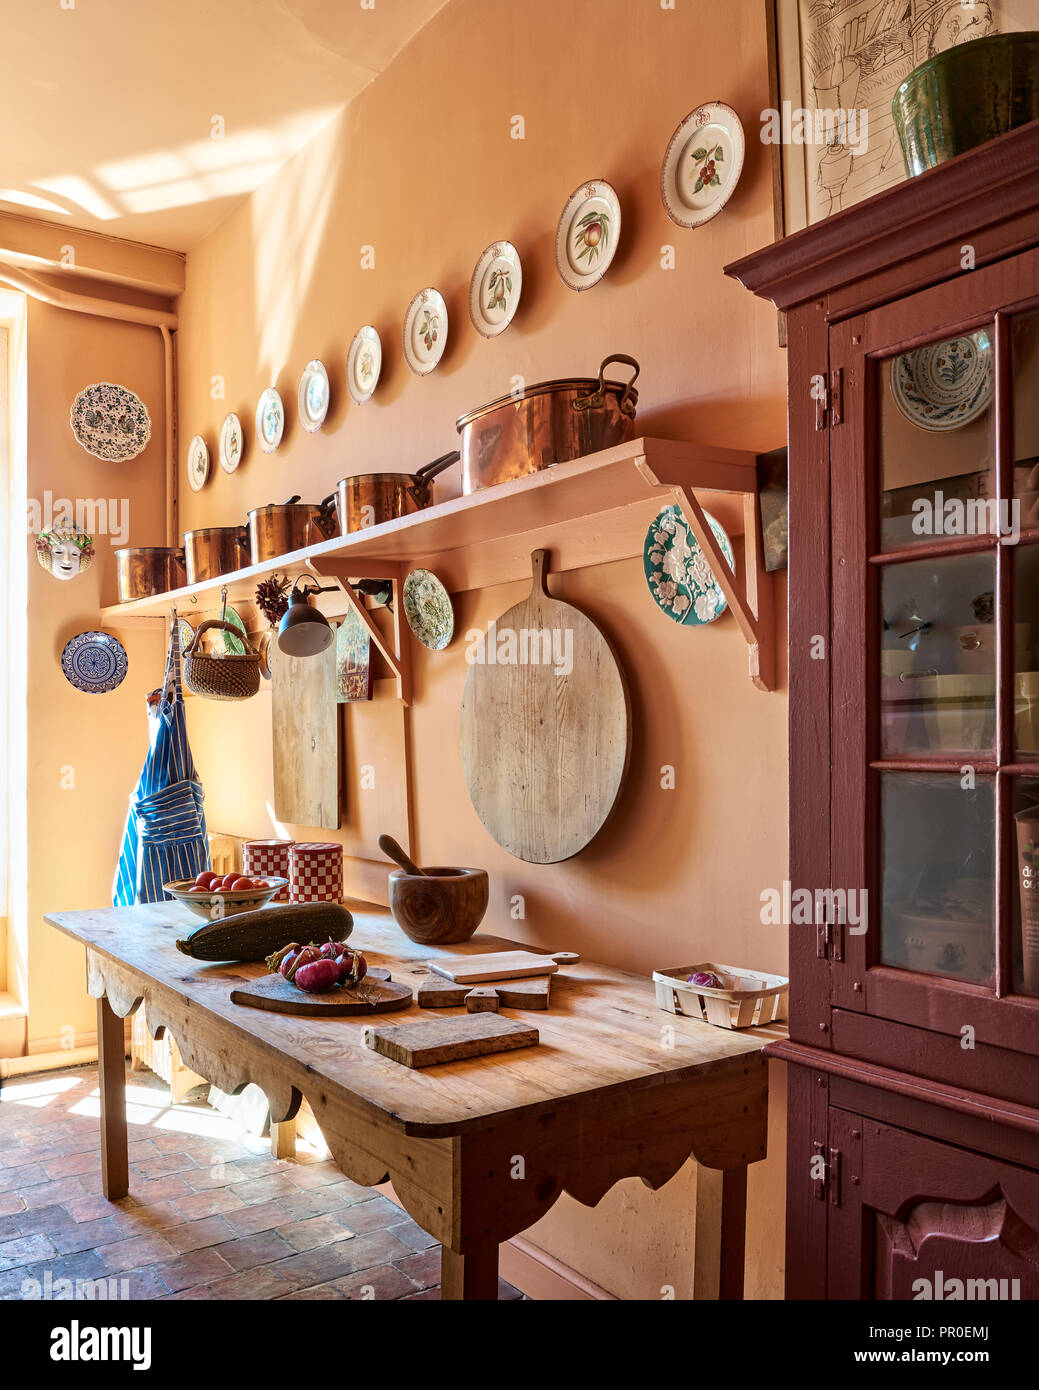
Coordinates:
[65,554]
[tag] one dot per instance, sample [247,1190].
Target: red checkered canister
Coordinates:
[268,858]
[315,873]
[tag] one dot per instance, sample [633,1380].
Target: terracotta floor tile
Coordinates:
[86,1235]
[374,1215]
[85,1265]
[140,1149]
[155,1190]
[345,1257]
[427,1294]
[316,1175]
[189,1270]
[411,1233]
[424,1269]
[250,1251]
[324,1201]
[199,1204]
[69,1165]
[10,1202]
[18,1155]
[91,1206]
[163,1165]
[140,1284]
[327,1292]
[32,1220]
[196,1235]
[379,1282]
[29,1175]
[48,1194]
[349,1191]
[26,1249]
[220,1175]
[266,1216]
[262,1282]
[317,1230]
[135,1252]
[266,1189]
[200,1291]
[159,1216]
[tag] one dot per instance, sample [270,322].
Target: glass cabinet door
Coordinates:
[935,603]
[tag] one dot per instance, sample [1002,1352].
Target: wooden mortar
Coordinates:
[440,907]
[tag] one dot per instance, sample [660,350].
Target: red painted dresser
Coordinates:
[913,331]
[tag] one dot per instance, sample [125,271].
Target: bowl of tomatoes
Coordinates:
[213,896]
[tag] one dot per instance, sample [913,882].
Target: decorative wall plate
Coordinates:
[425,331]
[94,662]
[702,164]
[427,607]
[232,443]
[944,385]
[263,646]
[185,631]
[198,463]
[587,234]
[494,290]
[65,552]
[314,396]
[232,645]
[270,420]
[363,364]
[110,422]
[677,572]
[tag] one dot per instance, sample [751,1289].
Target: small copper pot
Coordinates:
[368,499]
[144,570]
[214,551]
[281,527]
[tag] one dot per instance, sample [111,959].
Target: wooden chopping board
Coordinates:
[305,737]
[500,965]
[278,996]
[450,1039]
[544,754]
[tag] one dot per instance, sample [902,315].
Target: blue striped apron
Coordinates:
[165,836]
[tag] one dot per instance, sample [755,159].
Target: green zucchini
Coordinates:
[256,935]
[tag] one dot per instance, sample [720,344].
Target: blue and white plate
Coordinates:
[677,571]
[94,662]
[945,385]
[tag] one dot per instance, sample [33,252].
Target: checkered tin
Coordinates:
[268,857]
[316,873]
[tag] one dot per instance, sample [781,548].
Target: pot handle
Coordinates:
[195,643]
[421,480]
[596,398]
[328,516]
[242,539]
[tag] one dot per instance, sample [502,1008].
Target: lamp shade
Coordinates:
[303,631]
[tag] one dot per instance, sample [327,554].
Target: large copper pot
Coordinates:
[368,499]
[144,570]
[552,422]
[281,527]
[213,551]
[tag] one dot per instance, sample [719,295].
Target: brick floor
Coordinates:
[210,1214]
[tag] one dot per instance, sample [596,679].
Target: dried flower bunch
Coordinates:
[272,595]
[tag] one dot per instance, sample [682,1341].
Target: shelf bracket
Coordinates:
[751,602]
[398,656]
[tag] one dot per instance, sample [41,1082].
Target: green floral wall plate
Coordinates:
[427,607]
[233,645]
[680,579]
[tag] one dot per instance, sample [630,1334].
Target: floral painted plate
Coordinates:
[425,331]
[494,290]
[944,385]
[313,396]
[185,632]
[233,645]
[94,662]
[680,579]
[270,420]
[427,607]
[702,164]
[363,364]
[587,234]
[231,443]
[198,463]
[110,422]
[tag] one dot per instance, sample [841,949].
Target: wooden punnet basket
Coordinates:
[747,998]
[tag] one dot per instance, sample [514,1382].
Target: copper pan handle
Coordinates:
[420,480]
[595,399]
[328,516]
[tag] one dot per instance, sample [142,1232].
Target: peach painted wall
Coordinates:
[74,832]
[422,168]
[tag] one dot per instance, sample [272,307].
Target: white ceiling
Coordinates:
[110,106]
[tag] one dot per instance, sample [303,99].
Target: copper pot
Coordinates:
[552,422]
[214,551]
[281,527]
[144,570]
[368,499]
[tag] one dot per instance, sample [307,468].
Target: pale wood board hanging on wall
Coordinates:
[305,737]
[544,754]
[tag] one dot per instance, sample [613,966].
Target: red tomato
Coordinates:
[206,879]
[227,881]
[240,884]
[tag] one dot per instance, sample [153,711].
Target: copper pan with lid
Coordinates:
[282,527]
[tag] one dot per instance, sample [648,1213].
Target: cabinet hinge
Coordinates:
[829,933]
[826,1167]
[829,399]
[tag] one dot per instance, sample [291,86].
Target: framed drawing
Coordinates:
[835,66]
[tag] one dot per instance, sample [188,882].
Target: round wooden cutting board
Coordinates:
[544,754]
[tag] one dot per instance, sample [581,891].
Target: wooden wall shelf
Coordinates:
[588,512]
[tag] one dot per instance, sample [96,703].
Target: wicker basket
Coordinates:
[746,998]
[223,677]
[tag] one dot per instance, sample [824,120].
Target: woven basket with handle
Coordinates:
[223,677]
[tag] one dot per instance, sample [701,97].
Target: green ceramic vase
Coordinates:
[965,96]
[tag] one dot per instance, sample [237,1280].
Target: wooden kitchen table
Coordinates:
[478,1150]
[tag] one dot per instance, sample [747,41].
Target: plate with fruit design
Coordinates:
[494,290]
[363,364]
[270,420]
[314,396]
[425,331]
[587,235]
[198,463]
[213,897]
[702,164]
[231,443]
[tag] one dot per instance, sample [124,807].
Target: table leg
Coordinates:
[473,1275]
[283,1139]
[721,1228]
[111,1057]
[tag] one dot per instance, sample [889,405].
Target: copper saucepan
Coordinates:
[282,527]
[368,499]
[213,551]
[552,422]
[144,570]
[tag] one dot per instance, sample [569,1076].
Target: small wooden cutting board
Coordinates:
[450,1039]
[278,996]
[501,965]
